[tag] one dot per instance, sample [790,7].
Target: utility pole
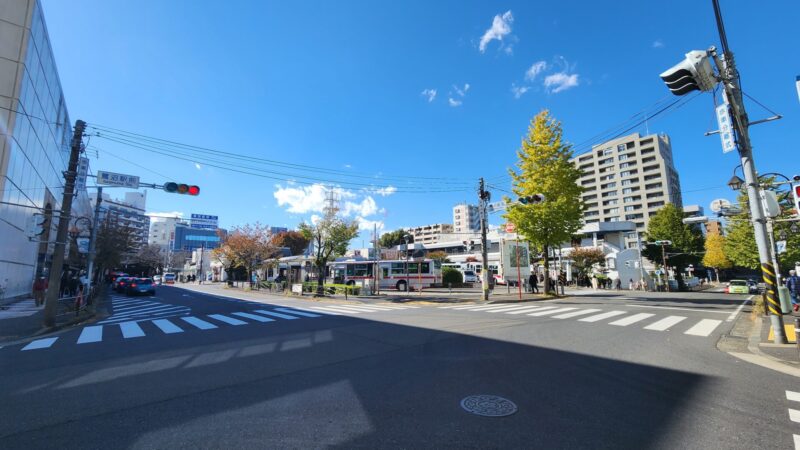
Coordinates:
[484,197]
[664,262]
[641,263]
[93,249]
[730,80]
[54,285]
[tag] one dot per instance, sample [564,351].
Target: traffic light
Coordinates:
[796,193]
[176,188]
[532,199]
[692,74]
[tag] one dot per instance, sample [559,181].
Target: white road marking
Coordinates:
[581,312]
[735,313]
[679,309]
[131,330]
[625,321]
[297,312]
[373,307]
[334,311]
[255,316]
[167,326]
[550,311]
[665,323]
[228,320]
[513,308]
[793,396]
[202,324]
[704,327]
[602,316]
[794,415]
[526,310]
[275,314]
[91,334]
[40,343]
[796,441]
[504,308]
[355,308]
[477,308]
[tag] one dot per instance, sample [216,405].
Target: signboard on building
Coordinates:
[117,179]
[83,171]
[204,221]
[83,244]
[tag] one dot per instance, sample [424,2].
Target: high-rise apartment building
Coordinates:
[129,213]
[430,234]
[162,231]
[466,218]
[35,135]
[628,179]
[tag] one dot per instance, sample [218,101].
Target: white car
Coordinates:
[469,276]
[157,279]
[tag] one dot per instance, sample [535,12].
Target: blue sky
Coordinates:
[348,86]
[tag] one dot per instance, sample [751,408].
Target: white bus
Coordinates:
[392,274]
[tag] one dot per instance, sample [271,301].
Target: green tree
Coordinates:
[451,275]
[151,258]
[114,242]
[715,254]
[248,246]
[393,238]
[294,240]
[330,237]
[584,258]
[687,241]
[439,255]
[544,167]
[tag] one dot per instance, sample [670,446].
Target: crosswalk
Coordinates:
[127,309]
[22,308]
[137,327]
[619,318]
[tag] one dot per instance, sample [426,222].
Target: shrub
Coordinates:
[451,275]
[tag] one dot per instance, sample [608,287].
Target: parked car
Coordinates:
[157,279]
[120,283]
[738,287]
[169,278]
[752,285]
[469,276]
[138,286]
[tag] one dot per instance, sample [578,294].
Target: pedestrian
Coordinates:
[618,283]
[594,282]
[793,284]
[533,281]
[73,285]
[39,289]
[630,284]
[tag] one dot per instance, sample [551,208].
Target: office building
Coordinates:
[274,231]
[695,211]
[190,239]
[628,179]
[162,231]
[430,234]
[466,219]
[34,146]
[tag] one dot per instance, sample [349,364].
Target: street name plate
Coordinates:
[117,179]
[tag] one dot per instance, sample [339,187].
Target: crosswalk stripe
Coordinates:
[296,312]
[353,308]
[500,308]
[167,326]
[131,330]
[580,312]
[545,308]
[525,310]
[485,307]
[254,317]
[40,343]
[704,327]
[91,334]
[602,316]
[275,314]
[793,396]
[794,415]
[665,323]
[372,307]
[625,321]
[334,311]
[140,308]
[202,324]
[550,311]
[226,319]
[513,308]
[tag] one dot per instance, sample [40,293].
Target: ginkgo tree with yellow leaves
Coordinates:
[544,167]
[715,254]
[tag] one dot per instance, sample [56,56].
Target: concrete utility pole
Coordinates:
[730,80]
[484,197]
[93,250]
[54,285]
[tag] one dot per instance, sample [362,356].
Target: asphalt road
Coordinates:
[191,370]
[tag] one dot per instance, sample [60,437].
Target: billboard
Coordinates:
[204,221]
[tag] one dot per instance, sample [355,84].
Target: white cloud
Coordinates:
[369,225]
[658,43]
[461,92]
[453,102]
[303,199]
[385,192]
[315,219]
[560,81]
[501,27]
[429,94]
[509,49]
[519,91]
[535,69]
[168,214]
[348,166]
[197,166]
[366,207]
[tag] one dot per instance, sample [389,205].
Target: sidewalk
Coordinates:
[23,319]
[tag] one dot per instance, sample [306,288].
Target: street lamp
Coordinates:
[735,183]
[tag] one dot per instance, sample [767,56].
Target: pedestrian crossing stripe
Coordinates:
[703,328]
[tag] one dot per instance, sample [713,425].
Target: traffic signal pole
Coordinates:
[54,284]
[730,80]
[484,195]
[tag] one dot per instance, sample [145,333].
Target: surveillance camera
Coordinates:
[796,178]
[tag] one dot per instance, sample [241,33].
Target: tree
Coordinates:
[151,258]
[330,237]
[687,241]
[439,255]
[715,254]
[294,240]
[584,258]
[114,242]
[393,238]
[544,167]
[248,247]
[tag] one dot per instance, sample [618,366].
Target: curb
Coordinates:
[759,358]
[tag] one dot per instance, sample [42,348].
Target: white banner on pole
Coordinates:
[725,128]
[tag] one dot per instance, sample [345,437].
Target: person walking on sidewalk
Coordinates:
[533,280]
[793,283]
[39,288]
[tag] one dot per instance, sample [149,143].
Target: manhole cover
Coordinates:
[488,405]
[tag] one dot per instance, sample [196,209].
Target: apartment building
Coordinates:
[430,234]
[162,231]
[628,179]
[466,218]
[129,213]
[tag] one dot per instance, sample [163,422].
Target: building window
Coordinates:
[613,184]
[611,211]
[622,157]
[653,186]
[610,202]
[630,208]
[608,151]
[655,204]
[607,177]
[621,147]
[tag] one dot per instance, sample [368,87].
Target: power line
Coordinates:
[129,162]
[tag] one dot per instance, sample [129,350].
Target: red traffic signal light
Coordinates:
[176,188]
